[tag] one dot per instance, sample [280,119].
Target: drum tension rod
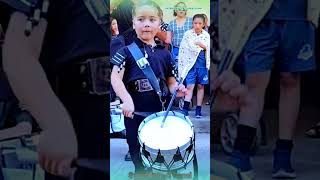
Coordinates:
[160,158]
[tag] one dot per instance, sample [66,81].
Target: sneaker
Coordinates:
[185,112]
[198,112]
[127,157]
[241,161]
[282,165]
[247,175]
[199,115]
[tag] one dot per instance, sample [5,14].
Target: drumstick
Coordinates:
[171,102]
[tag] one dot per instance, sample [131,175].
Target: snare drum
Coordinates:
[169,148]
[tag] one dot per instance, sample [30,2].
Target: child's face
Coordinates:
[181,10]
[198,24]
[146,22]
[114,26]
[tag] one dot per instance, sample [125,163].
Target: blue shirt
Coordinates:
[287,10]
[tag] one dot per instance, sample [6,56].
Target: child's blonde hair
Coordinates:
[147,3]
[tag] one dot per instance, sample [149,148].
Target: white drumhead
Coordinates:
[175,133]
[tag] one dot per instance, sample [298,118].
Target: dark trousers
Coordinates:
[132,126]
[89,115]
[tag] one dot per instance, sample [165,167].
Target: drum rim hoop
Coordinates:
[169,151]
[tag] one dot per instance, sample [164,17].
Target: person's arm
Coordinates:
[29,83]
[27,77]
[203,46]
[173,86]
[232,95]
[22,128]
[162,36]
[121,91]
[168,39]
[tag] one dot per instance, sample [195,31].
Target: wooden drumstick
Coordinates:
[171,102]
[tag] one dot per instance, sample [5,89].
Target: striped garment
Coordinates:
[178,32]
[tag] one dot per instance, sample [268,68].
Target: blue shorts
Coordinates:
[290,44]
[197,76]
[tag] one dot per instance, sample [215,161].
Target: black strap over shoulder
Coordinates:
[144,65]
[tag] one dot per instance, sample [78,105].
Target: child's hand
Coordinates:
[128,108]
[198,43]
[182,90]
[232,95]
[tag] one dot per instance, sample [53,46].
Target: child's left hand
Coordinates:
[182,90]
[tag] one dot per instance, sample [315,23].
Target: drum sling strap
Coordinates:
[145,67]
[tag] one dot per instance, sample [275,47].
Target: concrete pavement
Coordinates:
[305,158]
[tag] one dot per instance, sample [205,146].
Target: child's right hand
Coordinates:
[128,108]
[232,95]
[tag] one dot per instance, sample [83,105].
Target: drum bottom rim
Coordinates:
[165,169]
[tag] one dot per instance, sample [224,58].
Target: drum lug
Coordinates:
[159,158]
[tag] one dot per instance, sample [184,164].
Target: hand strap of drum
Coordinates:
[144,65]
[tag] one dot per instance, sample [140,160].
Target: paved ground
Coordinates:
[306,159]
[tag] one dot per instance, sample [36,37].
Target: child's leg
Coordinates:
[132,126]
[258,59]
[202,79]
[289,103]
[257,84]
[295,55]
[200,94]
[189,95]
[187,99]
[190,82]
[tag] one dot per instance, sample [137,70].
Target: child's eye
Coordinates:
[140,19]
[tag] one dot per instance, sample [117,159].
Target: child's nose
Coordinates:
[146,25]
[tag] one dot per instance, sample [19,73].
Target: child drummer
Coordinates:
[129,81]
